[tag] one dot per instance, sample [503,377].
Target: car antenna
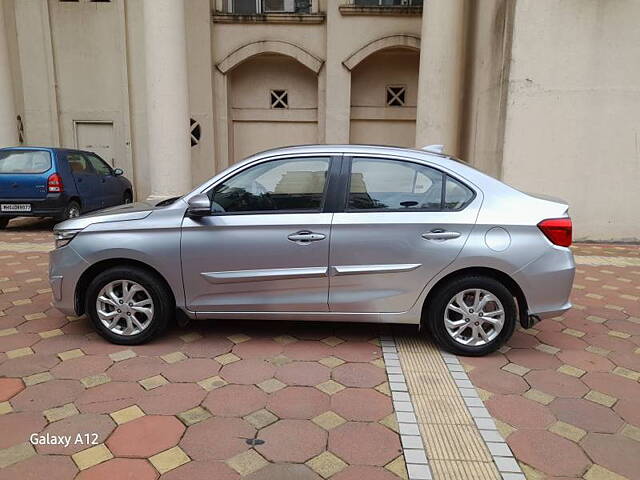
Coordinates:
[434,148]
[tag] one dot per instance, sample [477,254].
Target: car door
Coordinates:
[88,185]
[112,193]
[402,223]
[265,247]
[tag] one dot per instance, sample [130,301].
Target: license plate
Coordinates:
[15,207]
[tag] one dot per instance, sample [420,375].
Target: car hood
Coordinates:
[129,211]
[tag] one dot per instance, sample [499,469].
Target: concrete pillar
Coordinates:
[441,70]
[337,81]
[8,125]
[167,98]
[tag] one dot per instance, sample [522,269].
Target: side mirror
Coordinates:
[118,171]
[199,206]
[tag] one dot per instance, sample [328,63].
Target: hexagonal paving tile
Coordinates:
[78,426]
[208,347]
[356,472]
[589,362]
[51,467]
[10,387]
[364,443]
[109,397]
[258,348]
[519,412]
[307,350]
[120,468]
[247,372]
[172,398]
[548,452]
[556,383]
[498,381]
[136,369]
[201,471]
[361,404]
[191,370]
[235,400]
[363,375]
[17,427]
[533,359]
[629,410]
[585,414]
[614,385]
[357,352]
[303,373]
[47,395]
[81,367]
[616,453]
[145,436]
[284,471]
[298,402]
[24,366]
[217,438]
[292,441]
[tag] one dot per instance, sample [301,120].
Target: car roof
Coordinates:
[47,149]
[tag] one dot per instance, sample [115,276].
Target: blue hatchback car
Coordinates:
[57,182]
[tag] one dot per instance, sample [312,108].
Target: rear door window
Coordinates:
[24,161]
[78,164]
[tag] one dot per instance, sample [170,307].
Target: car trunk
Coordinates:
[24,174]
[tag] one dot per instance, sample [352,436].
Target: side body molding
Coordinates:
[369,269]
[236,276]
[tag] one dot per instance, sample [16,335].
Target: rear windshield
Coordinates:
[24,161]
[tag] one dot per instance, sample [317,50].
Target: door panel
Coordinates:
[88,184]
[96,137]
[111,186]
[394,235]
[248,263]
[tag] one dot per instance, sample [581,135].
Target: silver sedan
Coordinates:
[341,233]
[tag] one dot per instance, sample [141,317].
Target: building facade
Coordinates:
[543,94]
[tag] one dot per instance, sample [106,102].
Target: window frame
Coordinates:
[346,186]
[88,156]
[329,191]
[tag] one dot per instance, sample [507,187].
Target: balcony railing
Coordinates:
[257,7]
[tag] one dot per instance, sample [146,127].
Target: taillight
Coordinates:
[557,230]
[54,183]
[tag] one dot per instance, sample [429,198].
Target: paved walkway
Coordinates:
[261,400]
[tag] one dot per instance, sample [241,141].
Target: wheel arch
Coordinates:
[94,270]
[505,279]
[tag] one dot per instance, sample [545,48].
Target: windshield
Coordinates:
[24,161]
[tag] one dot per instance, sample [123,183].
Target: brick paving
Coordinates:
[223,400]
[565,394]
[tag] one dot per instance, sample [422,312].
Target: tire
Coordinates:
[127,197]
[72,210]
[493,337]
[4,221]
[153,288]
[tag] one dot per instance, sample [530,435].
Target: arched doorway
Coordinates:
[273,102]
[384,90]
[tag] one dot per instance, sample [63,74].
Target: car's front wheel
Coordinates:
[4,221]
[472,315]
[128,305]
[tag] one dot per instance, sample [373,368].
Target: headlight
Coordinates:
[63,237]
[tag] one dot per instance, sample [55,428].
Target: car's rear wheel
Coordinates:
[128,305]
[72,210]
[472,315]
[4,221]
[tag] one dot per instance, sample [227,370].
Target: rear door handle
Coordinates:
[306,236]
[440,235]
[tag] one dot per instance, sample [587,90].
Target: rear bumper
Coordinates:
[547,282]
[53,205]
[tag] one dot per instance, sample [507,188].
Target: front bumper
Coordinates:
[65,268]
[53,205]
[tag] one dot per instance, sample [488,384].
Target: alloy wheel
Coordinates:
[474,317]
[124,307]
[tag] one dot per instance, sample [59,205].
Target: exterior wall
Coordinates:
[550,88]
[372,121]
[572,118]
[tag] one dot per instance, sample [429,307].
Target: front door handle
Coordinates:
[440,234]
[305,236]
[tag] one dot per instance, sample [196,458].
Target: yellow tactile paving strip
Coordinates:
[453,444]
